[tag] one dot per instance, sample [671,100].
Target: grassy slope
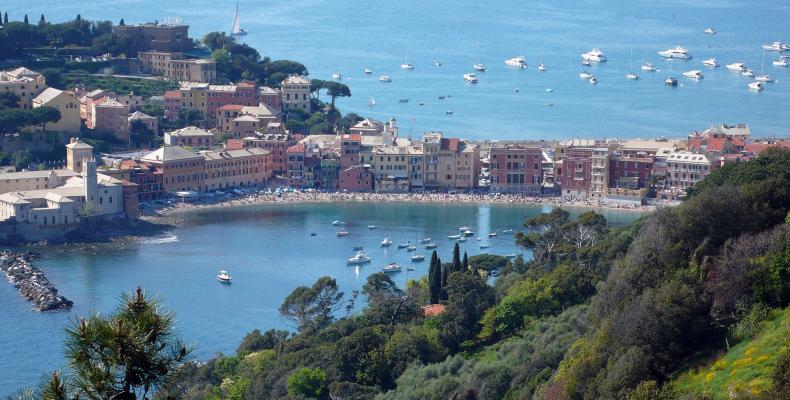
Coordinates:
[747,366]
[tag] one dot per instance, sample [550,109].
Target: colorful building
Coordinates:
[24,83]
[516,169]
[191,136]
[64,102]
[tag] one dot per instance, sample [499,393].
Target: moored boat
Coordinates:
[676,52]
[594,55]
[418,257]
[224,277]
[387,242]
[391,268]
[359,258]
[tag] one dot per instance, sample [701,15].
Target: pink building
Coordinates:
[349,150]
[516,169]
[272,98]
[245,126]
[357,178]
[630,172]
[577,171]
[172,104]
[112,117]
[277,144]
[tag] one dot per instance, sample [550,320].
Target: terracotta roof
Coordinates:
[433,310]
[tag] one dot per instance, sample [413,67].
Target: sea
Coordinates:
[268,250]
[347,36]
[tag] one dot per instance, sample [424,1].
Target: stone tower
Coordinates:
[89,181]
[76,152]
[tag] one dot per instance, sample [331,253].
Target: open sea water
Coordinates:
[347,36]
[267,249]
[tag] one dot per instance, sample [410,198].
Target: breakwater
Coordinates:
[31,282]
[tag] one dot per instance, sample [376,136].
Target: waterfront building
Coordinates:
[147,177]
[632,172]
[684,169]
[296,91]
[599,172]
[350,145]
[182,170]
[356,178]
[576,171]
[277,142]
[64,102]
[34,180]
[516,168]
[643,147]
[24,83]
[190,136]
[450,163]
[152,123]
[169,36]
[235,168]
[390,169]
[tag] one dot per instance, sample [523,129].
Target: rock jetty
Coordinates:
[31,283]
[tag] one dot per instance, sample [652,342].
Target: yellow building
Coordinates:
[64,102]
[24,83]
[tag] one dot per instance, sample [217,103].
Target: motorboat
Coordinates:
[676,52]
[387,242]
[507,231]
[711,62]
[492,234]
[693,74]
[471,78]
[313,234]
[358,259]
[422,103]
[594,55]
[357,248]
[484,245]
[648,67]
[594,80]
[431,245]
[670,81]
[411,248]
[391,268]
[632,76]
[450,112]
[407,66]
[338,223]
[403,100]
[337,76]
[517,62]
[342,233]
[224,277]
[542,67]
[549,90]
[480,67]
[748,73]
[757,86]
[368,71]
[403,245]
[453,237]
[425,240]
[782,62]
[441,97]
[586,63]
[385,78]
[764,78]
[437,63]
[776,46]
[469,233]
[740,67]
[372,226]
[462,239]
[585,75]
[418,257]
[464,228]
[710,31]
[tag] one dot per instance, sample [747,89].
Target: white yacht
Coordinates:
[385,78]
[431,245]
[632,76]
[694,74]
[471,78]
[407,66]
[776,46]
[411,248]
[492,234]
[764,78]
[676,52]
[542,67]
[480,67]
[403,245]
[748,73]
[359,258]
[710,31]
[736,67]
[425,240]
[453,237]
[368,71]
[391,267]
[594,80]
[387,242]
[484,245]
[507,231]
[224,277]
[372,226]
[711,62]
[468,232]
[337,76]
[670,81]
[464,228]
[437,63]
[648,67]
[518,62]
[338,223]
[595,55]
[418,257]
[782,62]
[342,233]
[757,86]
[585,75]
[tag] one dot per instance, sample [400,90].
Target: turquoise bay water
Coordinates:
[350,35]
[267,249]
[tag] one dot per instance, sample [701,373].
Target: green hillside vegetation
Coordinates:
[747,368]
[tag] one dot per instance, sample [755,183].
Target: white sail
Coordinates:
[236,26]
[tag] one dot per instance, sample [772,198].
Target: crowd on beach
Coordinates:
[310,196]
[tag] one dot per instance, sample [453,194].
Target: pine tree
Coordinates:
[456,258]
[435,279]
[26,19]
[465,263]
[79,17]
[42,21]
[122,23]
[1,19]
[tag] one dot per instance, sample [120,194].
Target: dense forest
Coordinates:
[651,310]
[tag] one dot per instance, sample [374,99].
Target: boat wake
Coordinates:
[161,240]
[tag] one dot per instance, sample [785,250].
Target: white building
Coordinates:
[684,169]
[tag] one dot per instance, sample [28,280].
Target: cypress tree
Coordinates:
[465,263]
[122,23]
[42,21]
[435,279]
[456,258]
[445,274]
[1,19]
[5,17]
[79,17]
[26,19]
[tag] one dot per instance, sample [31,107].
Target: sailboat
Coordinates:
[632,75]
[406,64]
[479,66]
[372,103]
[763,77]
[648,66]
[235,29]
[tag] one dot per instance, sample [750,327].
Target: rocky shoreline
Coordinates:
[31,282]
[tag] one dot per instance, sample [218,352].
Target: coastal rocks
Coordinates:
[31,283]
